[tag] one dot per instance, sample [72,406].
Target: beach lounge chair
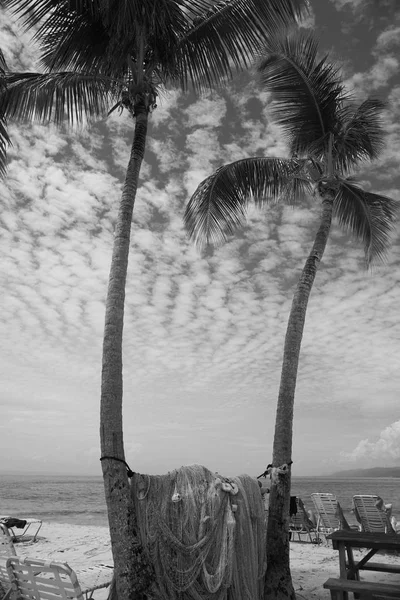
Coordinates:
[6,550]
[33,579]
[330,514]
[20,537]
[301,524]
[372,513]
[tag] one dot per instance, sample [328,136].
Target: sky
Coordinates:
[204,332]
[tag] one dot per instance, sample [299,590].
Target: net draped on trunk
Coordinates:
[205,534]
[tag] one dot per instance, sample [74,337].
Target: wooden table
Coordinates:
[349,568]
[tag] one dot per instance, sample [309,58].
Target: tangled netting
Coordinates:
[205,534]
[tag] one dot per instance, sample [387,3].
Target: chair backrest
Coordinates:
[369,515]
[301,518]
[297,520]
[6,550]
[326,506]
[6,543]
[34,579]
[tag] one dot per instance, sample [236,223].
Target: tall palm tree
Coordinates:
[98,52]
[4,139]
[328,136]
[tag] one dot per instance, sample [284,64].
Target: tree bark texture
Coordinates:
[278,581]
[131,570]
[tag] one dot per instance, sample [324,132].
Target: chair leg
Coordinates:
[339,595]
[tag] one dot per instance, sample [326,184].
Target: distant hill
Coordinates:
[374,472]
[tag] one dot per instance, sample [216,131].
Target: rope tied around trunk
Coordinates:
[129,471]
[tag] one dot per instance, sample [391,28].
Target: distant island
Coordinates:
[374,472]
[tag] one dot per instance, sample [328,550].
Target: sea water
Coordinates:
[80,500]
[63,499]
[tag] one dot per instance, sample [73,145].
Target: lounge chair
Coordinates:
[33,579]
[301,524]
[19,537]
[6,550]
[372,513]
[330,513]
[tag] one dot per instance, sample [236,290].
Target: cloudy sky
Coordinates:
[203,332]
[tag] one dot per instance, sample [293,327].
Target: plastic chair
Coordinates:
[34,579]
[330,513]
[19,537]
[6,550]
[372,513]
[301,523]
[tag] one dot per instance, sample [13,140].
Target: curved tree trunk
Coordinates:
[278,581]
[130,565]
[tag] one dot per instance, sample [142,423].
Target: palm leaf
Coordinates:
[56,97]
[75,43]
[161,18]
[102,36]
[218,206]
[84,42]
[231,33]
[32,13]
[3,65]
[370,217]
[4,139]
[361,135]
[4,142]
[307,91]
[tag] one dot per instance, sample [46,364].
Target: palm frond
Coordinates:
[361,135]
[31,13]
[4,142]
[230,33]
[86,43]
[102,37]
[77,43]
[307,91]
[4,139]
[218,206]
[160,18]
[370,217]
[56,97]
[3,65]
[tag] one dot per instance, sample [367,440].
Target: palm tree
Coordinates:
[328,136]
[98,52]
[4,139]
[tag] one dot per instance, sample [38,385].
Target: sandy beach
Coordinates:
[82,546]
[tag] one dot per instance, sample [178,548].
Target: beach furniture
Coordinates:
[6,550]
[34,579]
[301,524]
[353,565]
[372,513]
[330,513]
[19,537]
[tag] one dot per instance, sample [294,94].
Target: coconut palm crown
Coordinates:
[328,136]
[97,50]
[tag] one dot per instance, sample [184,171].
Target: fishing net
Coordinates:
[204,533]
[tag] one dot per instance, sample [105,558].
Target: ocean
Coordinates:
[80,500]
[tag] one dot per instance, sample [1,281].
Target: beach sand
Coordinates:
[82,546]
